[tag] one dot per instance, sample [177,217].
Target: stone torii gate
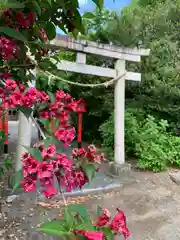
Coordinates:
[83,47]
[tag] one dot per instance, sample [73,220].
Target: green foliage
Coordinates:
[152,148]
[149,24]
[74,217]
[16,181]
[145,138]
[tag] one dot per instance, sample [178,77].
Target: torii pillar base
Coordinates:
[118,170]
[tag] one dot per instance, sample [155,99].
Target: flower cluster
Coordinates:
[52,167]
[18,20]
[16,96]
[8,48]
[117,225]
[91,154]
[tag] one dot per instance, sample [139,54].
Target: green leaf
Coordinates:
[47,142]
[50,2]
[38,8]
[68,217]
[89,15]
[86,227]
[50,30]
[36,153]
[54,228]
[108,233]
[52,96]
[7,164]
[1,171]
[77,22]
[81,210]
[11,4]
[90,171]
[18,177]
[99,211]
[26,111]
[12,33]
[99,3]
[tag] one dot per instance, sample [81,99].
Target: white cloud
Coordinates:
[82,2]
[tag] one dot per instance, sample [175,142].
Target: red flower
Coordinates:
[49,151]
[30,165]
[118,224]
[2,95]
[33,94]
[104,218]
[8,103]
[44,97]
[94,235]
[90,235]
[21,87]
[65,135]
[16,98]
[49,191]
[60,95]
[10,85]
[5,75]
[73,179]
[78,152]
[29,184]
[63,161]
[8,48]
[45,170]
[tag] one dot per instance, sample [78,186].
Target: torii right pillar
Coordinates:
[119,166]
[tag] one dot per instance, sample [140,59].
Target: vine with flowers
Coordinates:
[25,30]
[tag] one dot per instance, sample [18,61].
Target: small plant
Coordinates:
[76,224]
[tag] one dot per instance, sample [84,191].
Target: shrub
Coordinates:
[146,138]
[152,147]
[132,122]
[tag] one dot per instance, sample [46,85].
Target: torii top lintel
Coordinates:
[63,41]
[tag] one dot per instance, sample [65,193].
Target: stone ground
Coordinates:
[150,201]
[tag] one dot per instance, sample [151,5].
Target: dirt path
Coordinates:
[151,203]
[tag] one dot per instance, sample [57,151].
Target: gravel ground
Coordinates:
[151,203]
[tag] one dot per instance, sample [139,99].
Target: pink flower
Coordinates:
[44,97]
[65,135]
[60,95]
[49,191]
[90,235]
[49,151]
[94,235]
[118,224]
[104,218]
[5,75]
[8,48]
[10,85]
[33,94]
[8,102]
[21,87]
[16,98]
[45,170]
[2,95]
[29,184]
[72,106]
[63,161]
[78,152]
[73,179]
[26,102]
